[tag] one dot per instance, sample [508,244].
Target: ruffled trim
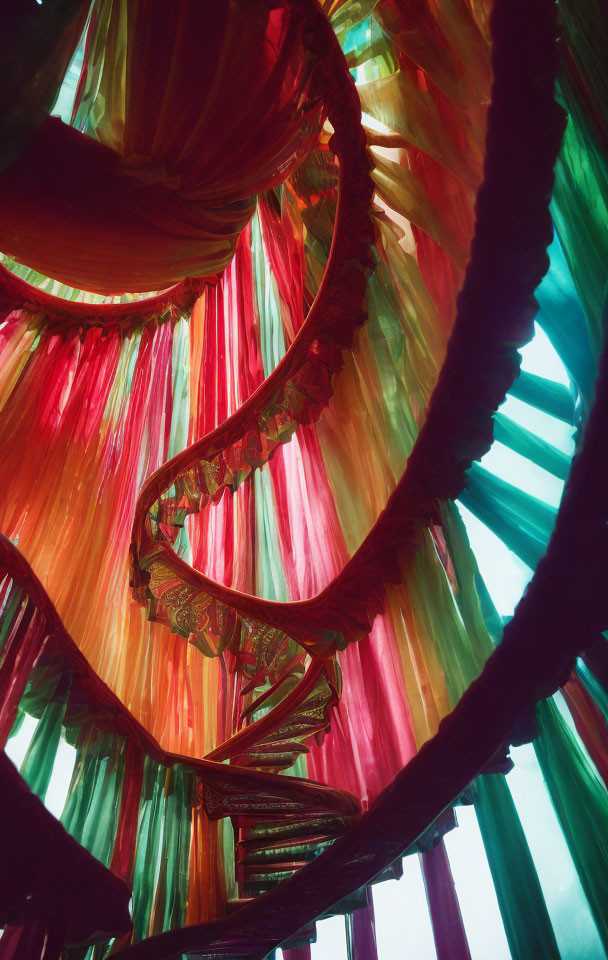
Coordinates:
[91,701]
[56,315]
[495,314]
[546,633]
[300,386]
[496,310]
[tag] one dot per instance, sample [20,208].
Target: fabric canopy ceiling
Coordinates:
[176,144]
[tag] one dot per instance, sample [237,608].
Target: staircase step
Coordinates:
[297,827]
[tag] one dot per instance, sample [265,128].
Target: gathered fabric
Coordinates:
[144,191]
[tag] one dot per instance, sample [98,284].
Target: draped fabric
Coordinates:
[262,292]
[159,193]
